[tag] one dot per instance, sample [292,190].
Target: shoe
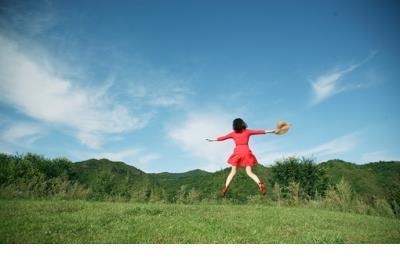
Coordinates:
[262,188]
[222,193]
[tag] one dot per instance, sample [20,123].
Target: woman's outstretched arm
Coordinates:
[260,131]
[228,136]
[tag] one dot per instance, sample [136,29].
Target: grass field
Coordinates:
[30,221]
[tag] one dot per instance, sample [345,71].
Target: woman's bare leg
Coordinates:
[230,176]
[252,175]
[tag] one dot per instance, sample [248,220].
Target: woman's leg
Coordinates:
[230,176]
[252,175]
[255,178]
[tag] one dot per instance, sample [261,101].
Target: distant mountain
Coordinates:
[378,179]
[107,176]
[89,169]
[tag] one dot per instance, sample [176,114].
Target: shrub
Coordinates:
[396,209]
[193,196]
[294,193]
[344,191]
[277,193]
[38,187]
[361,207]
[181,194]
[383,208]
[306,172]
[339,196]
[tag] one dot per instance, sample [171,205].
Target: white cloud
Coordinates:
[21,134]
[326,85]
[336,146]
[40,92]
[135,157]
[190,135]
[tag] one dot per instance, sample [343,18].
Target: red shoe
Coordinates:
[262,188]
[222,193]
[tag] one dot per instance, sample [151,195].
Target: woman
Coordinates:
[242,156]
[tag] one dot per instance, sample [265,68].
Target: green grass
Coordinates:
[35,221]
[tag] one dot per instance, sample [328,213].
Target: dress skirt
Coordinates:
[242,156]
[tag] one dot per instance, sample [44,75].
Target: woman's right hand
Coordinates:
[211,139]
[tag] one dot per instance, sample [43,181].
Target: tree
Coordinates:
[304,171]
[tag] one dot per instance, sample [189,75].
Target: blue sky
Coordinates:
[145,82]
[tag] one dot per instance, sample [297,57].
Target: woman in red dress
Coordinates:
[242,156]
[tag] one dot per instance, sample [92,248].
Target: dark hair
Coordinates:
[238,125]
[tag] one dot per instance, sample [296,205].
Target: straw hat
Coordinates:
[282,127]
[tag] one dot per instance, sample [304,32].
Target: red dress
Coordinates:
[242,155]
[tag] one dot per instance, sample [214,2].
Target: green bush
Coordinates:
[396,208]
[38,187]
[181,194]
[383,208]
[294,193]
[339,196]
[193,196]
[304,171]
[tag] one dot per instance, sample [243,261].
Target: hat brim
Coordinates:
[282,127]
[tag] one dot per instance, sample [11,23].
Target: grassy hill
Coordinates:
[29,221]
[148,209]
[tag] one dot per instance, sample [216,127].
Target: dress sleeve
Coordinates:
[228,136]
[256,132]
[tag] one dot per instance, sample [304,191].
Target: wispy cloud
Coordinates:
[40,92]
[335,147]
[327,85]
[21,134]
